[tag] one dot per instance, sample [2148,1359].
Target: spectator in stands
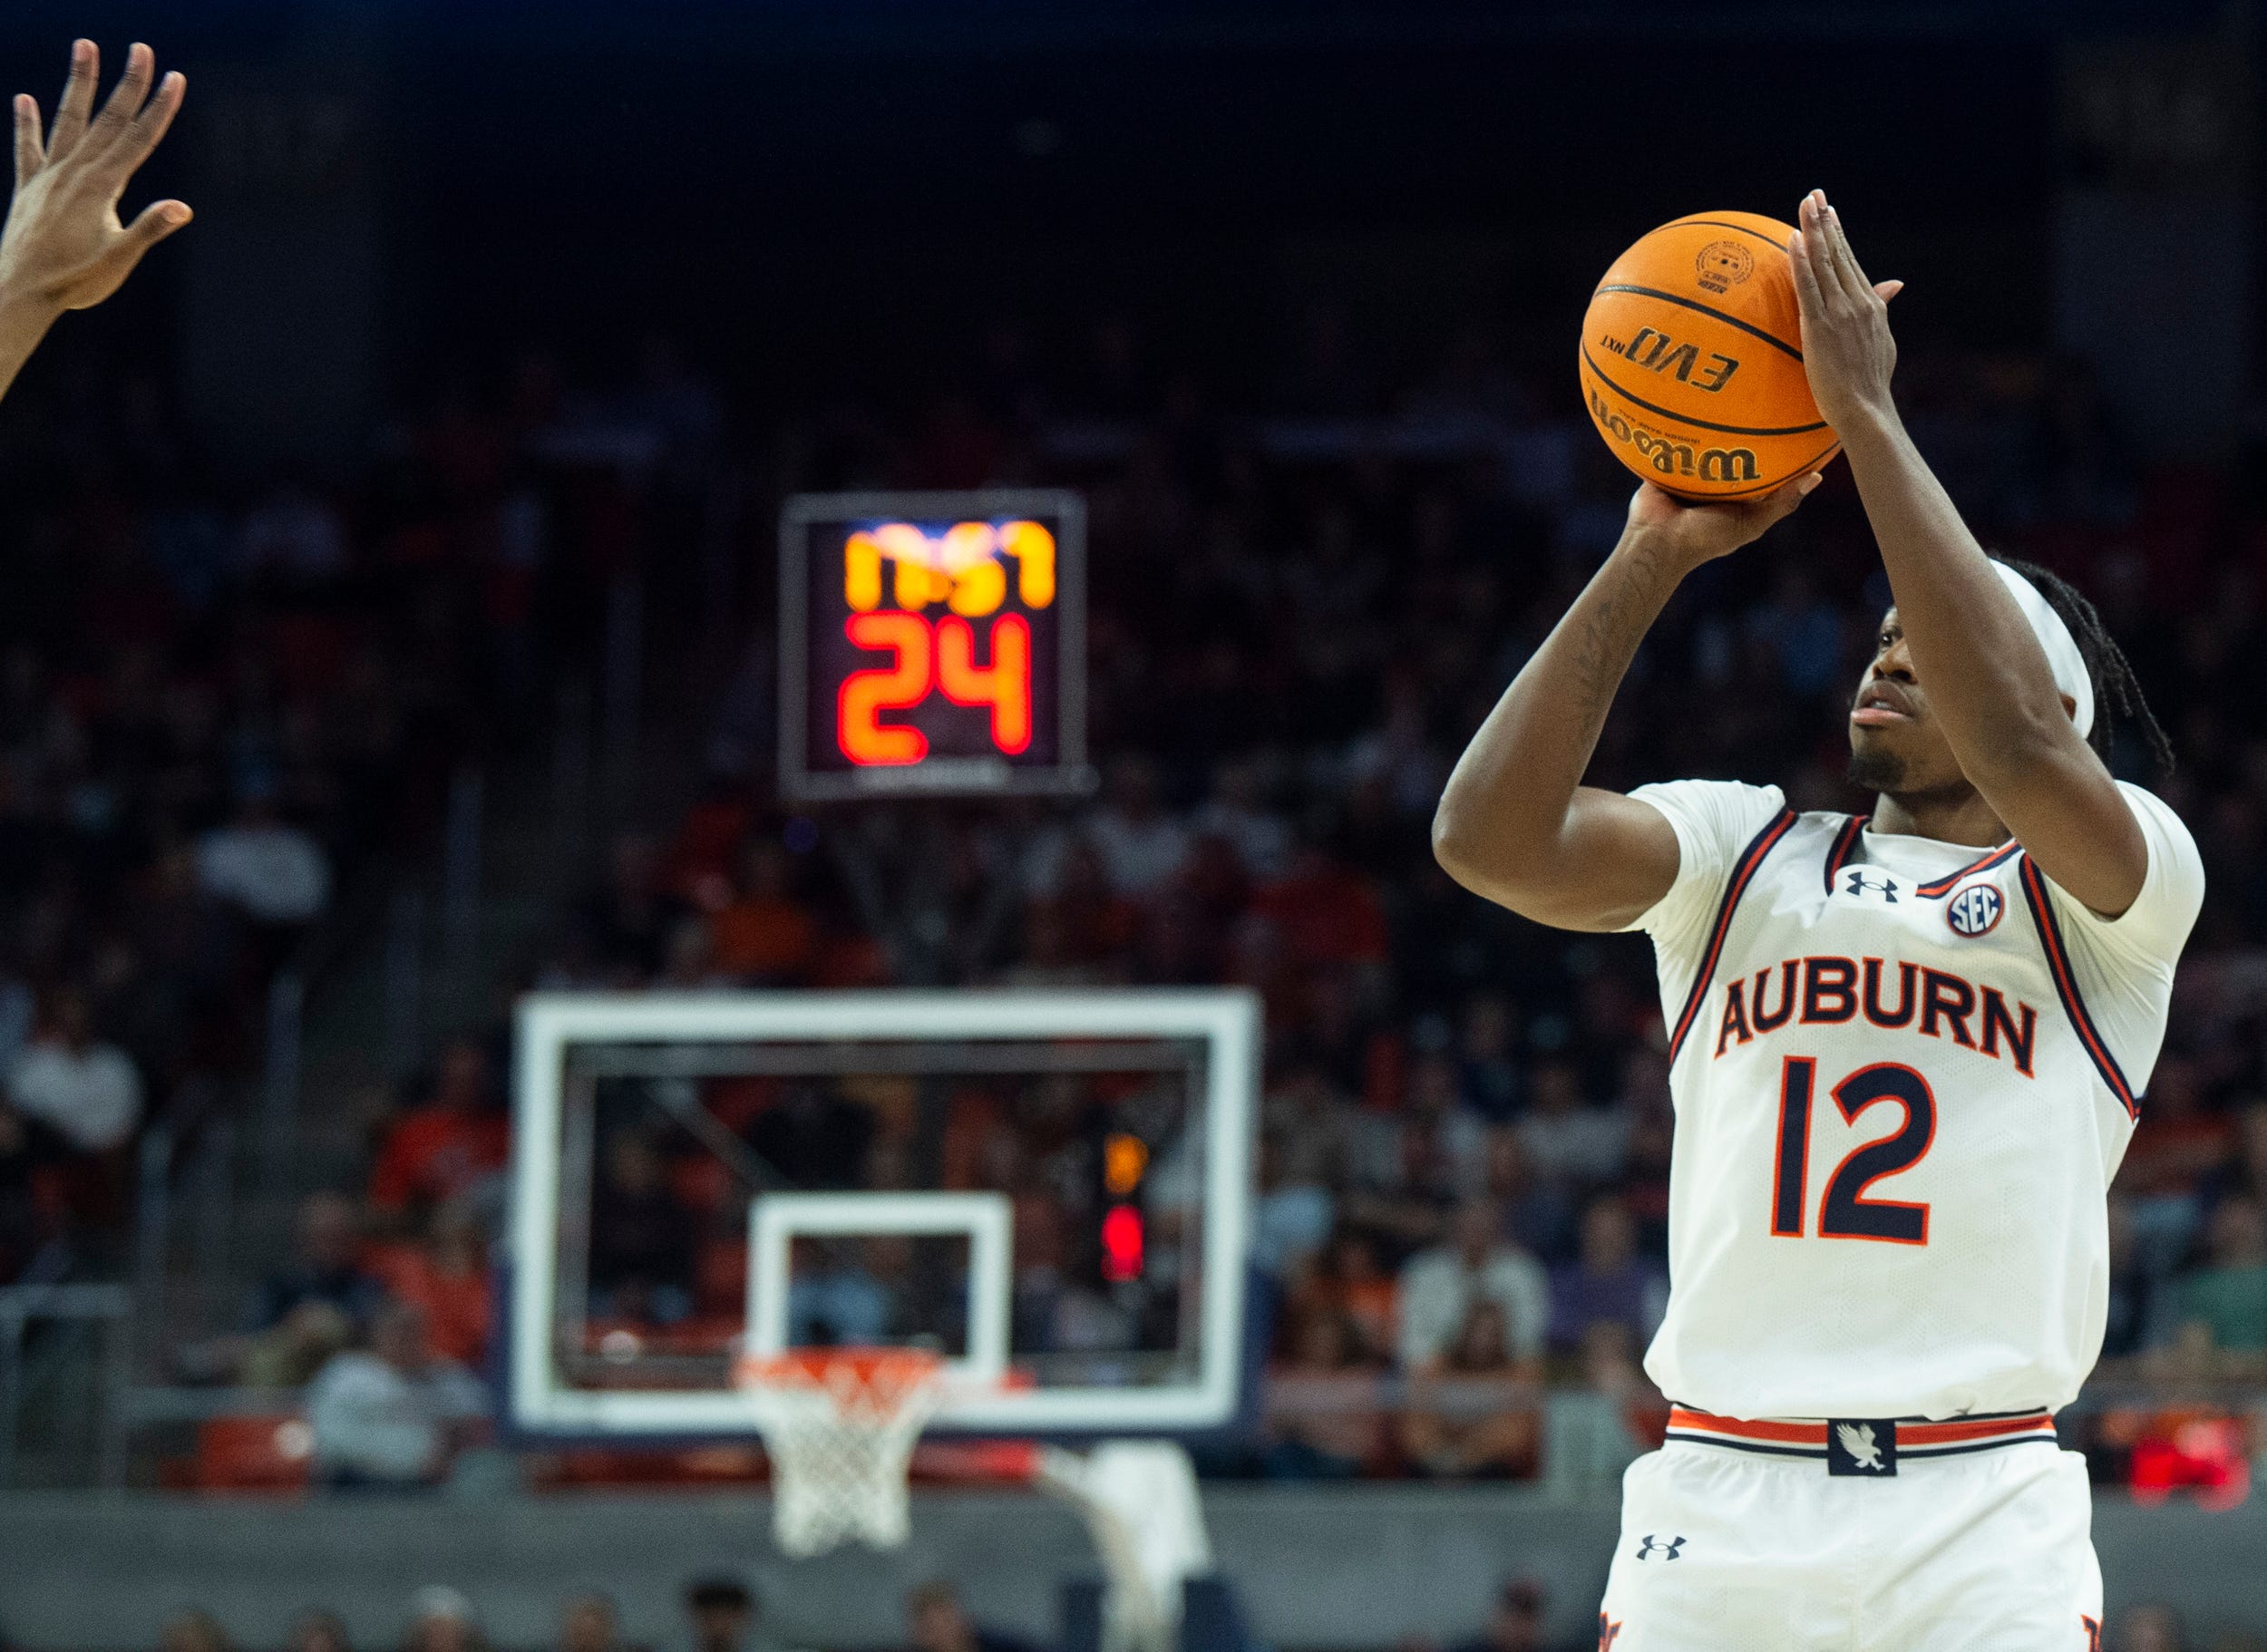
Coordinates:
[1140,844]
[328,1268]
[445,1277]
[193,1631]
[1350,1281]
[25,1144]
[1538,1216]
[317,1631]
[2227,1298]
[1439,1287]
[1290,1221]
[86,1090]
[1489,1075]
[291,1353]
[936,1621]
[1515,1625]
[628,918]
[643,1239]
[724,1612]
[1474,1412]
[2178,1145]
[1612,1419]
[441,1619]
[277,873]
[1238,814]
[591,1624]
[1608,1282]
[392,1417]
[451,1146]
[1568,1144]
[1321,1399]
[765,937]
[2150,1627]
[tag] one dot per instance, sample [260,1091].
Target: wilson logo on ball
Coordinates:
[1691,360]
[1975,910]
[1658,353]
[1724,265]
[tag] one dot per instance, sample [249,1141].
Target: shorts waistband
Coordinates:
[1864,1447]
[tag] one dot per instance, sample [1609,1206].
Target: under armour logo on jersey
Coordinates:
[1861,883]
[1975,909]
[1610,1632]
[1647,1548]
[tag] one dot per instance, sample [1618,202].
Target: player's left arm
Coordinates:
[64,247]
[1987,678]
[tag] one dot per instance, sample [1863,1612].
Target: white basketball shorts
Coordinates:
[1854,1536]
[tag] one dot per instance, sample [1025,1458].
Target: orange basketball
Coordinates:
[1692,360]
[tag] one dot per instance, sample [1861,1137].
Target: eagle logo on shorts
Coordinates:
[1857,1439]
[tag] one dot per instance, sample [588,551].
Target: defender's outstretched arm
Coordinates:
[63,246]
[1516,823]
[1985,674]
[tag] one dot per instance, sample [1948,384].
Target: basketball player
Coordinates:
[1907,1047]
[64,247]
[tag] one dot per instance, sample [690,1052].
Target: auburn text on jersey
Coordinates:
[1919,998]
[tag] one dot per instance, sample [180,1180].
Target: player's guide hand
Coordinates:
[1847,350]
[1691,534]
[64,247]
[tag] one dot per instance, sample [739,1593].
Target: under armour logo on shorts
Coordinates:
[1861,884]
[1645,1548]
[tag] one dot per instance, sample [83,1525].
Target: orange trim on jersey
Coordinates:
[1950,880]
[1808,1439]
[1743,873]
[2067,988]
[1845,842]
[1774,1433]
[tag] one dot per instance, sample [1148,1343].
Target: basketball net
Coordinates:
[840,1426]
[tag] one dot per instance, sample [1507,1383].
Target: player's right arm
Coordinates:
[1516,823]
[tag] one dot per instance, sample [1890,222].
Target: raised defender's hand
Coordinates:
[1693,534]
[64,247]
[1847,349]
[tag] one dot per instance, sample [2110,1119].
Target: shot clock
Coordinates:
[932,644]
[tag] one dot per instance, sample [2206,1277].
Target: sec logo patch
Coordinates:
[1974,911]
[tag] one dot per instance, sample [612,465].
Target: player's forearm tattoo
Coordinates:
[1608,639]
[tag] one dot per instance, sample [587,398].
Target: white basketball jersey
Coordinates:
[1904,1073]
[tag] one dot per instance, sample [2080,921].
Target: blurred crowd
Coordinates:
[720,1614]
[1302,603]
[220,701]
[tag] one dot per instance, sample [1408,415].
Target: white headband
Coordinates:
[2062,649]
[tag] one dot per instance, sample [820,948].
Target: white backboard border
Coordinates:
[1226,1020]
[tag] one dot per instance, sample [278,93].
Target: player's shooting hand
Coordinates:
[1693,534]
[1847,349]
[64,247]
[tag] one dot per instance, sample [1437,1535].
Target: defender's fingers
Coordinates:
[1889,289]
[29,153]
[1810,299]
[150,124]
[77,100]
[126,98]
[1846,266]
[154,222]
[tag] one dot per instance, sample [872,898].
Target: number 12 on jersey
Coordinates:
[1844,1210]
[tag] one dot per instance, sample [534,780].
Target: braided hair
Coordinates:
[2117,691]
